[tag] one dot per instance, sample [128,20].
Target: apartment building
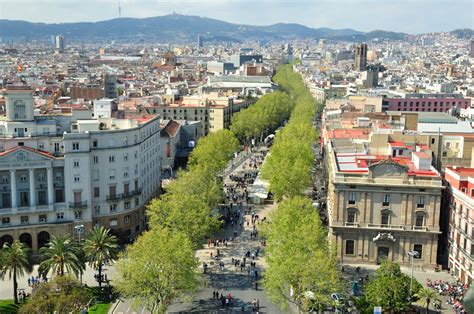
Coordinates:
[460,191]
[58,172]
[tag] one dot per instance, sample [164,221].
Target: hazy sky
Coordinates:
[411,16]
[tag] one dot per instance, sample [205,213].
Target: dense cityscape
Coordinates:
[207,167]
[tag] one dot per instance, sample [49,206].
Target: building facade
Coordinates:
[427,103]
[382,207]
[361,57]
[58,173]
[460,191]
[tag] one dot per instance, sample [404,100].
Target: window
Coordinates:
[4,179]
[113,222]
[386,200]
[97,209]
[41,146]
[75,146]
[421,202]
[418,248]
[95,159]
[113,208]
[126,219]
[77,178]
[56,147]
[94,143]
[433,140]
[419,220]
[385,217]
[351,215]
[125,173]
[60,216]
[350,247]
[76,163]
[96,191]
[125,157]
[5,220]
[352,198]
[43,218]
[23,178]
[127,205]
[111,158]
[78,214]
[112,174]
[41,177]
[95,175]
[24,220]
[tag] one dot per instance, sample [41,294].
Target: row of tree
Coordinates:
[61,256]
[302,266]
[288,167]
[161,265]
[265,116]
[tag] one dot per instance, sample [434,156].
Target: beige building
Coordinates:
[213,110]
[381,206]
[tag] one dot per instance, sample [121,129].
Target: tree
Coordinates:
[63,294]
[427,295]
[390,289]
[100,248]
[15,260]
[299,257]
[184,213]
[159,267]
[60,254]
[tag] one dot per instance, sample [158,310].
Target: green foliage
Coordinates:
[159,267]
[185,213]
[63,294]
[390,289]
[100,308]
[269,112]
[427,295]
[8,307]
[15,261]
[299,256]
[100,248]
[214,151]
[61,254]
[291,157]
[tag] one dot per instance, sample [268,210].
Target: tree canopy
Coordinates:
[299,256]
[390,289]
[159,267]
[62,254]
[15,261]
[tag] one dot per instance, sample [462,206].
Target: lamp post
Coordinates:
[413,255]
[79,230]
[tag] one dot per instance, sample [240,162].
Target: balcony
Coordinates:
[124,195]
[351,224]
[419,228]
[78,205]
[381,226]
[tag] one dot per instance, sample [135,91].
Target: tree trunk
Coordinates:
[15,286]
[62,269]
[428,306]
[100,275]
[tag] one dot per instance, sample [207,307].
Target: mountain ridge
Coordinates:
[178,27]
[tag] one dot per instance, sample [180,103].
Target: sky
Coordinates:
[410,16]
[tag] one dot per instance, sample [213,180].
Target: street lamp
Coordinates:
[79,230]
[413,255]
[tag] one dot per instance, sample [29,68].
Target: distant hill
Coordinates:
[463,33]
[176,27]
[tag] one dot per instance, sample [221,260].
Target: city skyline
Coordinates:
[365,15]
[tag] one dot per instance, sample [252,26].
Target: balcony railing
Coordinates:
[78,205]
[351,224]
[420,228]
[381,226]
[124,195]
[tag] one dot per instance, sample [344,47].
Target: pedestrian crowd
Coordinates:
[453,291]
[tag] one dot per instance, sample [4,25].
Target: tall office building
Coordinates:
[361,57]
[471,50]
[59,43]
[200,41]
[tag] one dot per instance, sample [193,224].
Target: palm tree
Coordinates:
[100,248]
[60,254]
[15,260]
[427,295]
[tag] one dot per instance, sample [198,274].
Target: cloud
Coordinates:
[412,16]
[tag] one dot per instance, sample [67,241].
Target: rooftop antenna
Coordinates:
[120,10]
